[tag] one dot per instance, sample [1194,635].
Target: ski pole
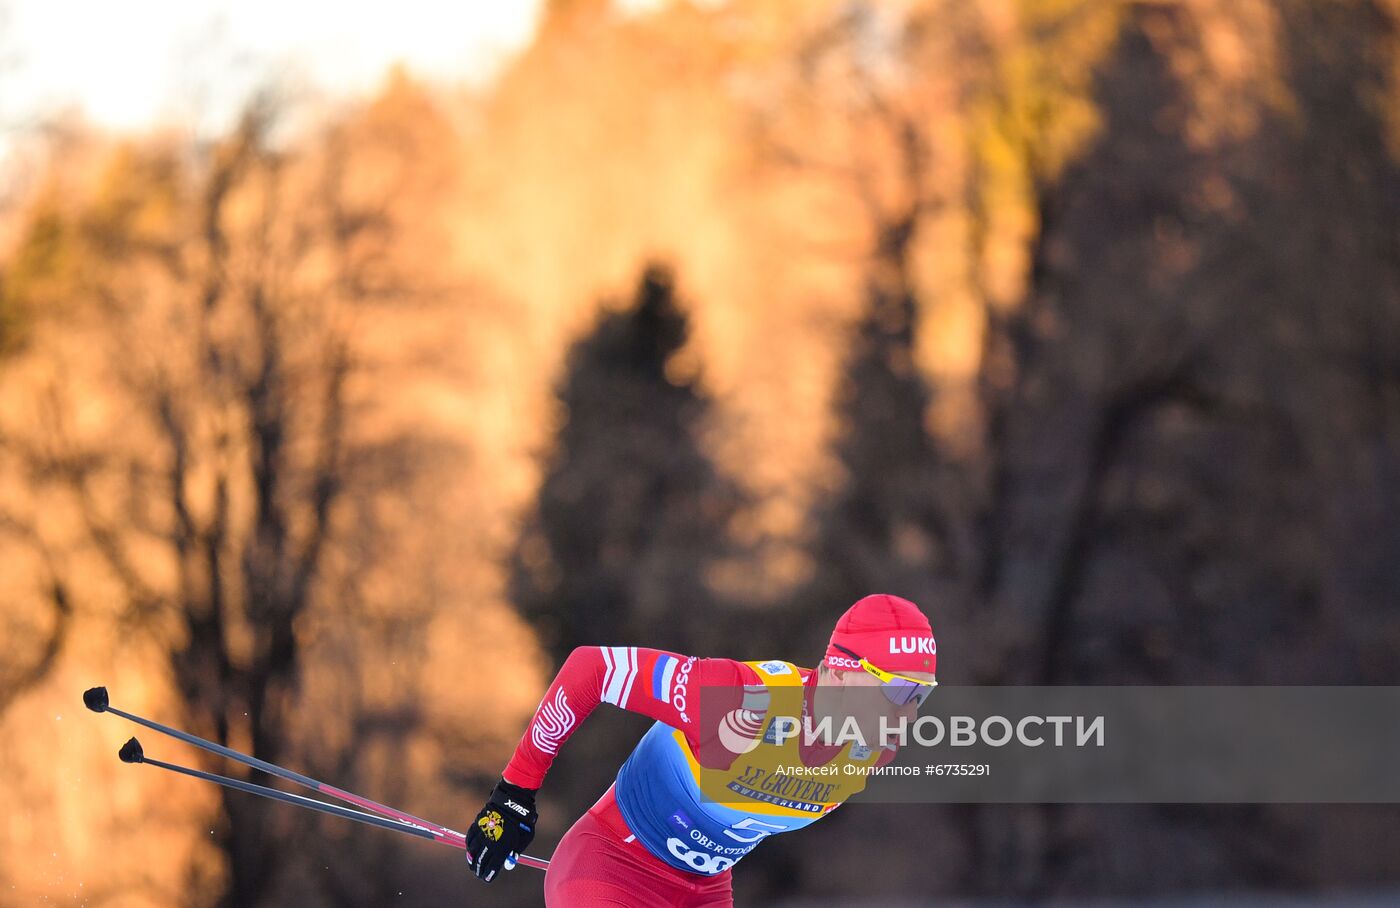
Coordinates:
[132,752]
[97,700]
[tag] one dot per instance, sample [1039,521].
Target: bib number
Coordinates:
[753,824]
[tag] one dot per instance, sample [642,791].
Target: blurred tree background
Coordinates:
[1076,321]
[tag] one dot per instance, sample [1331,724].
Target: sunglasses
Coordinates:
[900,690]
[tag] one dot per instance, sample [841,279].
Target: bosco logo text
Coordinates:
[678,692]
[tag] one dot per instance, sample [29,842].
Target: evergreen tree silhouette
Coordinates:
[631,511]
[884,529]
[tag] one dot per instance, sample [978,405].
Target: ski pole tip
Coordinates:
[131,752]
[95,699]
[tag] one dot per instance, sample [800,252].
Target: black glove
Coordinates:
[505,827]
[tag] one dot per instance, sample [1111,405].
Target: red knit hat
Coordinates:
[889,631]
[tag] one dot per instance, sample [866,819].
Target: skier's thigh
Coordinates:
[719,900]
[593,894]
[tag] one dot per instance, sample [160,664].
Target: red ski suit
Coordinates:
[654,839]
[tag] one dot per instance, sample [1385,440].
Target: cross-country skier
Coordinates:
[691,801]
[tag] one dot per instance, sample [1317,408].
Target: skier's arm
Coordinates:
[665,686]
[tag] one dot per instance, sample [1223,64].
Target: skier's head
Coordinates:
[880,651]
[890,632]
